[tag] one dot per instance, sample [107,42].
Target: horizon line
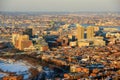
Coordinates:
[63,11]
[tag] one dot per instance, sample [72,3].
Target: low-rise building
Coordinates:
[98,42]
[83,43]
[12,78]
[73,43]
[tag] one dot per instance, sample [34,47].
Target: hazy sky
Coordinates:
[59,5]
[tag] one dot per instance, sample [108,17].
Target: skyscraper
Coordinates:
[80,32]
[90,32]
[21,41]
[28,32]
[15,37]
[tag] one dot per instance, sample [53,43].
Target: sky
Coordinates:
[60,5]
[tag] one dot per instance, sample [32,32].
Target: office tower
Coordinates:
[14,37]
[23,42]
[90,32]
[64,41]
[96,28]
[80,32]
[28,32]
[13,24]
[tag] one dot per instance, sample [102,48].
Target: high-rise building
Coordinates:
[22,41]
[28,32]
[14,37]
[96,28]
[64,41]
[80,32]
[13,24]
[90,32]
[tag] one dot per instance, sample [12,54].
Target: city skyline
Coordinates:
[64,6]
[59,45]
